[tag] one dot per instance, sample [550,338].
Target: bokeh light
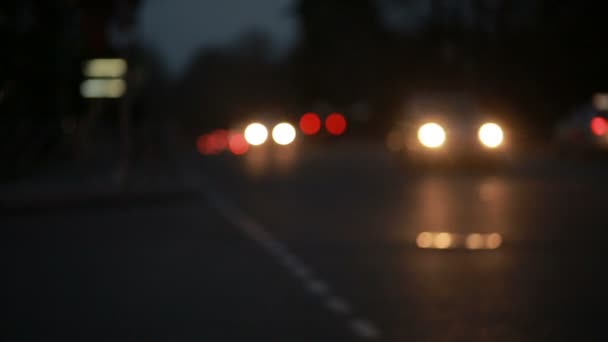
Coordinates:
[212,143]
[310,123]
[442,240]
[491,135]
[600,101]
[599,126]
[474,241]
[256,134]
[283,133]
[103,88]
[105,67]
[424,240]
[493,241]
[219,138]
[204,145]
[335,124]
[237,144]
[431,135]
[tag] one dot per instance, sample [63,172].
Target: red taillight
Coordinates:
[212,143]
[335,124]
[204,145]
[599,126]
[237,144]
[310,123]
[220,139]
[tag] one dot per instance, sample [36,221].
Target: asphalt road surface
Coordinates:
[318,245]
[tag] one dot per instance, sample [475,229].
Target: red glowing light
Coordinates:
[237,144]
[335,124]
[599,126]
[220,139]
[204,145]
[310,123]
[212,143]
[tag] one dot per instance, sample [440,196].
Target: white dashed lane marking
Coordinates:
[361,328]
[338,306]
[318,288]
[302,272]
[364,329]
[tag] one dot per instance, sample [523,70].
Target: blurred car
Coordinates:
[585,131]
[447,130]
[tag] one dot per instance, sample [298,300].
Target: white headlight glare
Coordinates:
[256,134]
[284,133]
[491,135]
[431,135]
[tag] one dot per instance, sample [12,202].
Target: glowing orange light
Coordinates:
[310,124]
[335,124]
[443,240]
[493,241]
[238,144]
[474,241]
[424,240]
[599,126]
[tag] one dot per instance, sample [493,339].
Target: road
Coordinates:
[316,245]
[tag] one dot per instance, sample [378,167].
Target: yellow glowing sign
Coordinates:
[103,88]
[105,68]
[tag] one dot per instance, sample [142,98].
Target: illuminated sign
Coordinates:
[103,88]
[105,78]
[110,68]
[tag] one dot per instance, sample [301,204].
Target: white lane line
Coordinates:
[318,288]
[362,328]
[290,262]
[338,306]
[302,272]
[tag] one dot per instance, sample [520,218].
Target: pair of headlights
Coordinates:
[432,135]
[283,133]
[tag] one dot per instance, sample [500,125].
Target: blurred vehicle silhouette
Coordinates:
[449,129]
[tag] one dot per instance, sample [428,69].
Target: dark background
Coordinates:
[114,228]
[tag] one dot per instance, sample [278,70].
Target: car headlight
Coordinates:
[284,133]
[256,134]
[431,135]
[491,135]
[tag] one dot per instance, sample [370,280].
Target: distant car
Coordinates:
[585,130]
[440,129]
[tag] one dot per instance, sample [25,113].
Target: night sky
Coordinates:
[178,28]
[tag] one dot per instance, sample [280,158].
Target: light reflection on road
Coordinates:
[264,161]
[464,205]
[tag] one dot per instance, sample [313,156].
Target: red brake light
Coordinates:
[310,123]
[599,126]
[335,124]
[238,144]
